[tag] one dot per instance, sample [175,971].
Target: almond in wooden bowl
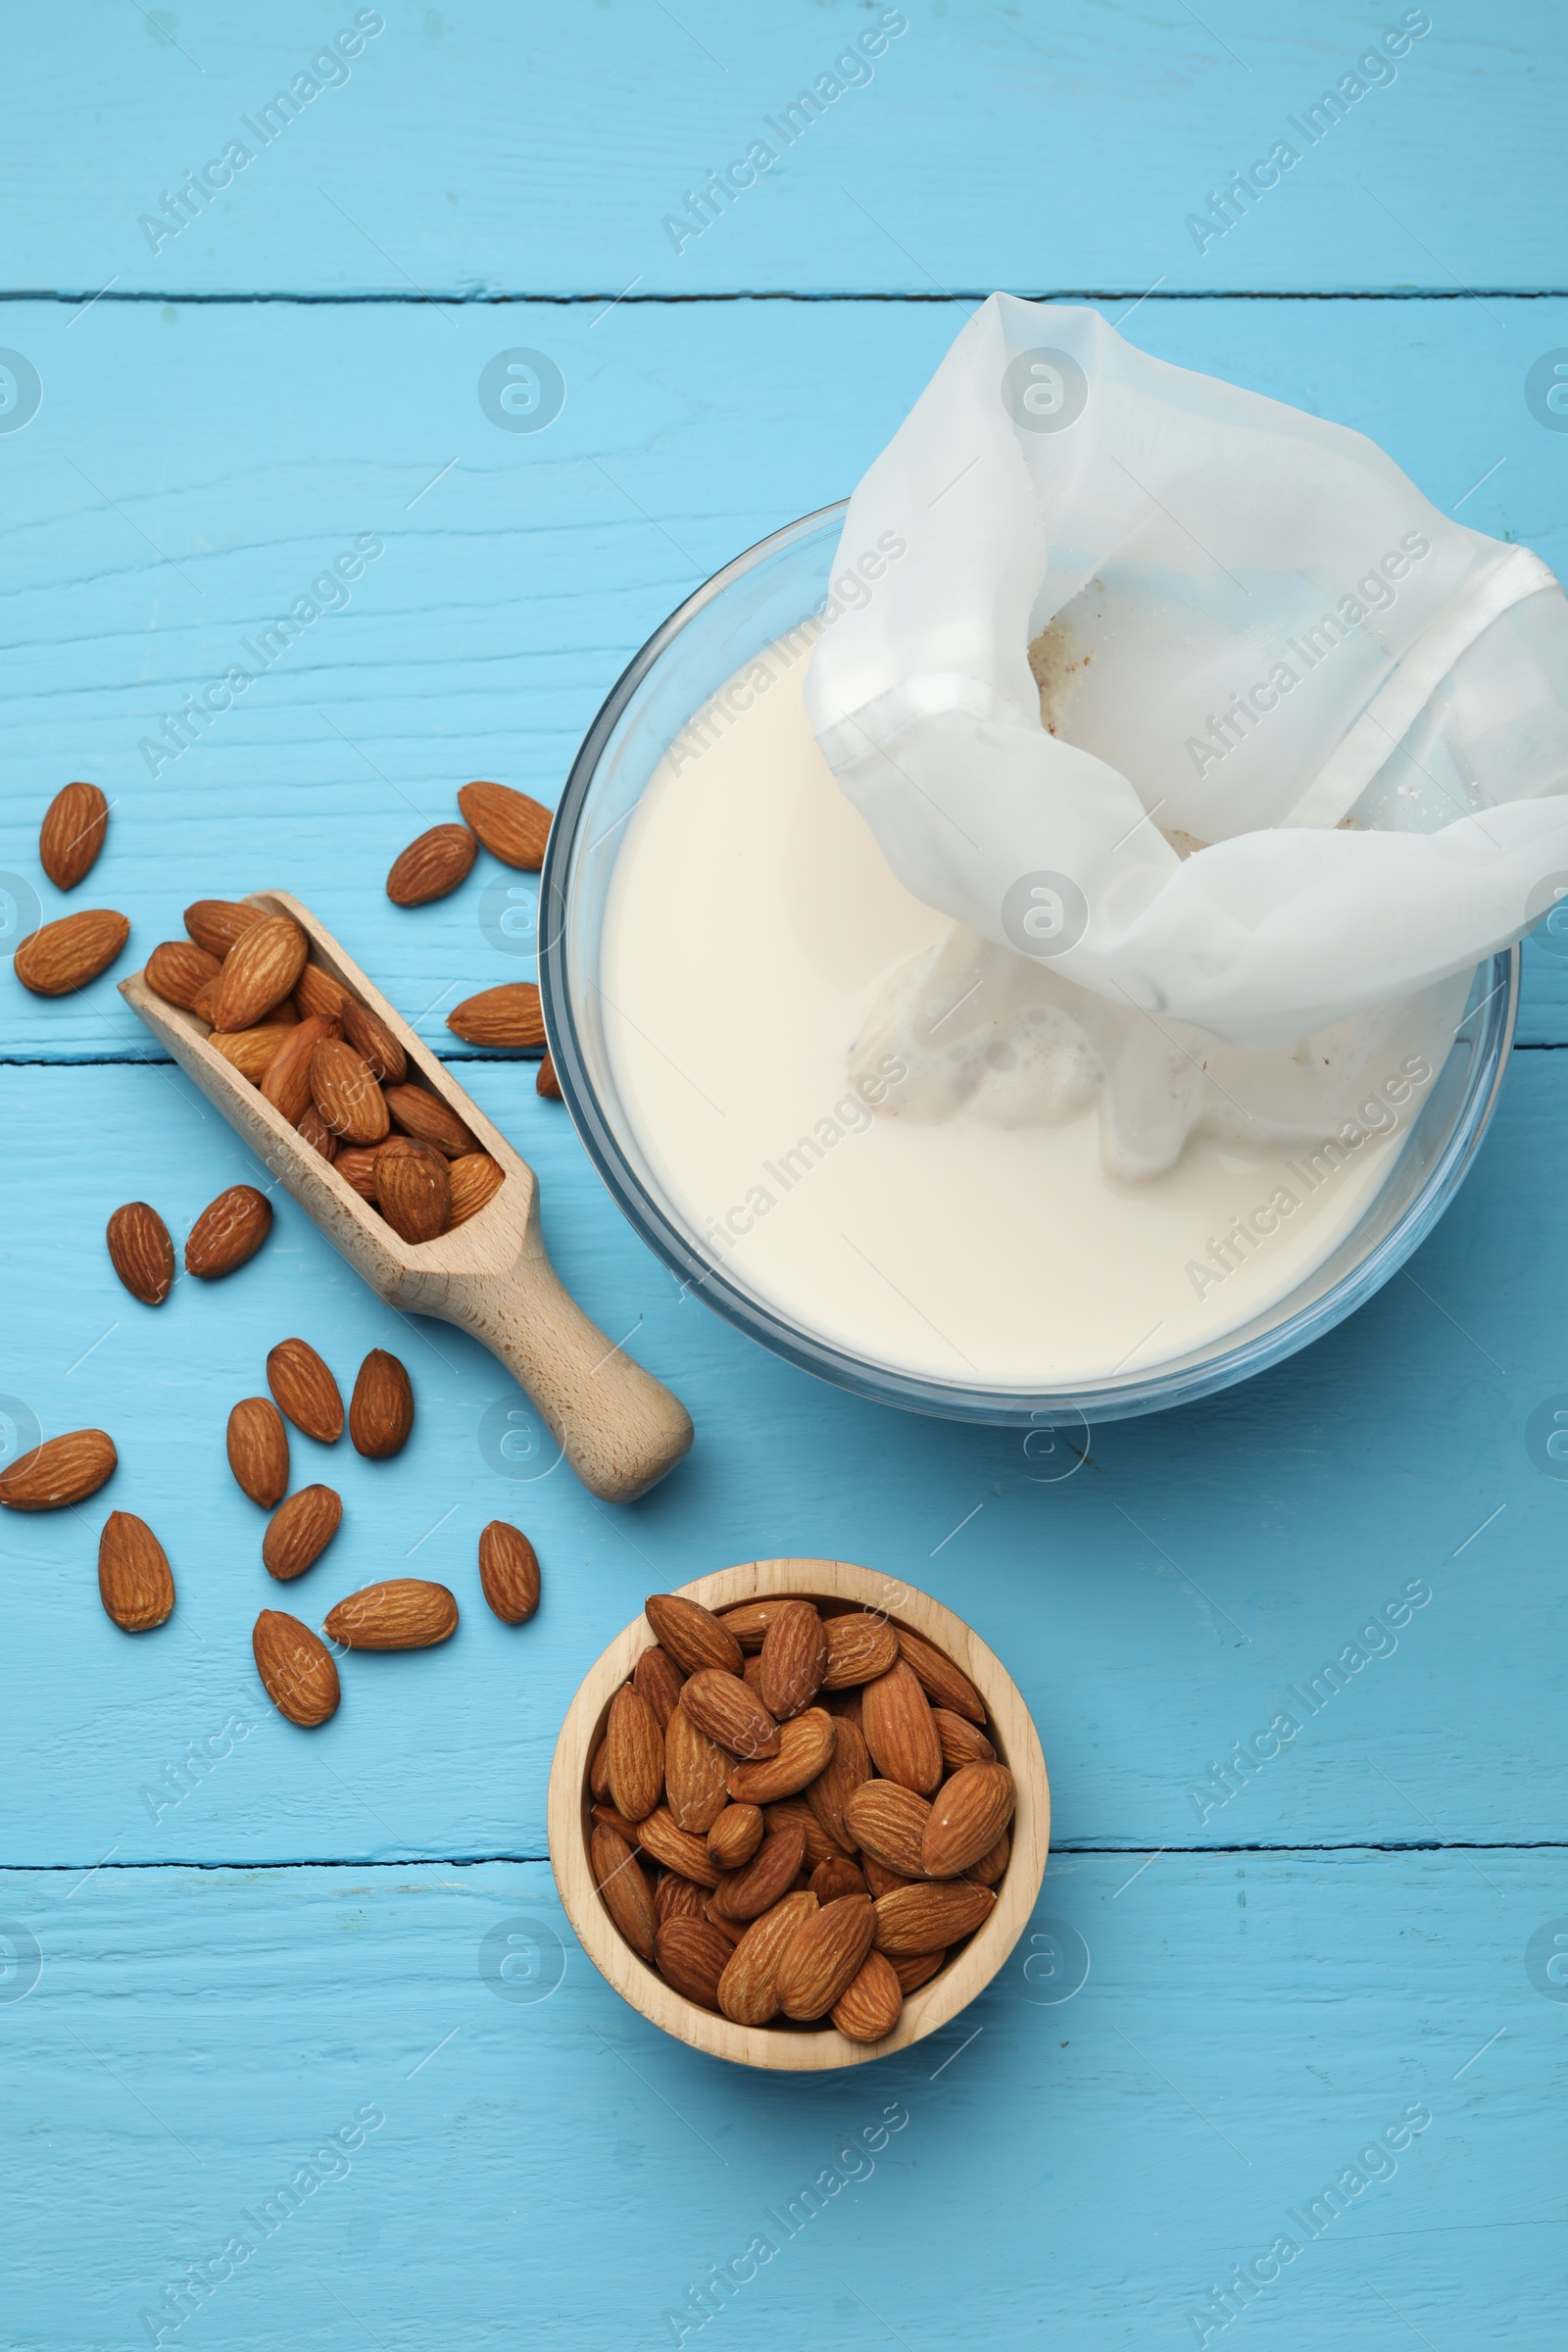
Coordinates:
[799,1989]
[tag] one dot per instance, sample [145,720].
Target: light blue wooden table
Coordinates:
[212,1969]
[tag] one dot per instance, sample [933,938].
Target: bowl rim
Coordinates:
[1234,1359]
[931,2006]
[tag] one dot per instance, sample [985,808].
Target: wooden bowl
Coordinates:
[794,2048]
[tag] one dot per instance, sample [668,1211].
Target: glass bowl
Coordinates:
[762,594]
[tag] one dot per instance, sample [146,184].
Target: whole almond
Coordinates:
[879,1879]
[871,2004]
[356,1167]
[141,1252]
[413,1189]
[404,1613]
[259,971]
[345,1094]
[929,1917]
[721,1705]
[300,1531]
[679,1850]
[695,1772]
[794,1659]
[475,1178]
[896,1718]
[420,1114]
[512,826]
[317,993]
[72,834]
[250,1052]
[860,1647]
[962,1742]
[805,1746]
[374,1042]
[217,923]
[969,1814]
[624,1889]
[831,1881]
[258,1451]
[749,1620]
[675,1897]
[747,1989]
[177,971]
[547,1083]
[287,1082]
[65,954]
[692,1635]
[296,1669]
[599,1771]
[735,1836]
[381,1407]
[636,1747]
[940,1678]
[509,1015]
[693,1955]
[60,1473]
[834,1786]
[303,1387]
[992,1866]
[509,1572]
[656,1676]
[825,1957]
[748,1893]
[314,1130]
[888,1823]
[228,1231]
[819,1847]
[432,866]
[914,1969]
[134,1583]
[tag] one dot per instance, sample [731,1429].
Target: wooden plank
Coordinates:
[1025,147]
[1238,1547]
[555,2171]
[520,572]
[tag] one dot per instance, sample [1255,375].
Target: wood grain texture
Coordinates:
[935,2004]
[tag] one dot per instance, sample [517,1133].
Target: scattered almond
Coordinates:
[509,1015]
[258,1451]
[509,1572]
[692,1635]
[381,1407]
[228,1231]
[404,1613]
[431,867]
[300,1531]
[296,1669]
[65,955]
[135,1582]
[303,1387]
[141,1252]
[512,826]
[259,971]
[60,1473]
[177,971]
[72,834]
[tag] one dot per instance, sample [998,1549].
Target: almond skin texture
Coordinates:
[624,1889]
[287,1083]
[304,1388]
[735,1836]
[599,1772]
[879,1879]
[819,1847]
[404,1613]
[512,826]
[824,1959]
[413,1189]
[356,1167]
[228,1231]
[314,1130]
[962,1742]
[72,834]
[941,1680]
[889,1824]
[432,866]
[860,1647]
[794,1659]
[345,1092]
[259,971]
[381,1408]
[695,1773]
[693,1955]
[177,971]
[509,1572]
[896,1718]
[65,954]
[300,1531]
[766,1879]
[134,1583]
[217,923]
[547,1083]
[141,1252]
[296,1669]
[750,1621]
[805,1746]
[675,1897]
[969,1814]
[871,2005]
[59,1472]
[990,1868]
[747,1989]
[374,1042]
[317,993]
[509,1015]
[676,1848]
[258,1451]
[420,1114]
[252,1052]
[604,1816]
[475,1178]
[914,1969]
[834,1786]
[927,1919]
[656,1676]
[721,1705]
[832,1881]
[636,1747]
[692,1635]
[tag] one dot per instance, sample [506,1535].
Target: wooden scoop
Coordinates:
[619,1427]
